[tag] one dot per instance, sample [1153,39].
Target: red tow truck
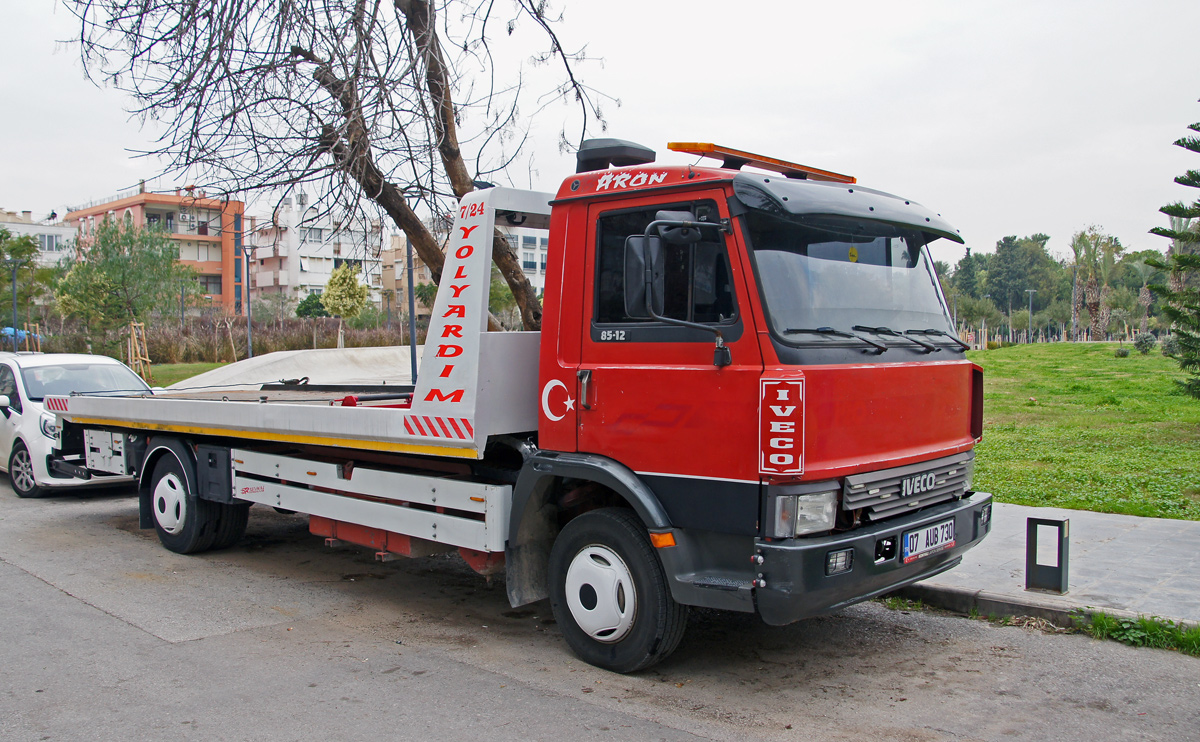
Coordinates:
[747,394]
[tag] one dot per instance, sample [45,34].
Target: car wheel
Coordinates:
[609,594]
[20,472]
[185,523]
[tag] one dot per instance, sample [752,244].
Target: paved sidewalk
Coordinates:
[1121,564]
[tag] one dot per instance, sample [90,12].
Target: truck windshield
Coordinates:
[842,274]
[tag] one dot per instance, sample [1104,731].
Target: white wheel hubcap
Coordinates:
[600,594]
[170,502]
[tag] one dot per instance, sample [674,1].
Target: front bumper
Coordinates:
[793,570]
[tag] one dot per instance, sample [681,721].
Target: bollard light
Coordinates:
[1046,554]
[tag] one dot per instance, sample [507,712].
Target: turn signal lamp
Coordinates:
[662,540]
[735,159]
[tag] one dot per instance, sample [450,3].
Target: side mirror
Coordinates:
[5,404]
[641,253]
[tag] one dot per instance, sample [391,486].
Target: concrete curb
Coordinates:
[981,602]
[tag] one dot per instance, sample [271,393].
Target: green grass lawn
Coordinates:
[1070,425]
[166,374]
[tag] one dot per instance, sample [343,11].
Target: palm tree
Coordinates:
[1090,249]
[1078,248]
[1097,259]
[1145,298]
[1109,248]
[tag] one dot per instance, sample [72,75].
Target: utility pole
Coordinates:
[983,329]
[15,264]
[1031,292]
[412,314]
[246,304]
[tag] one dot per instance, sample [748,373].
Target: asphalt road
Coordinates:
[108,636]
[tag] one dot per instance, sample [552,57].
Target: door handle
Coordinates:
[585,381]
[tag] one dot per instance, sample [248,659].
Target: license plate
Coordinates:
[928,540]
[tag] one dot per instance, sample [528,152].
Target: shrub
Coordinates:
[1144,342]
[1170,346]
[1121,352]
[993,344]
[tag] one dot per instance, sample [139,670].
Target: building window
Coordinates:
[528,261]
[210,284]
[545,242]
[311,234]
[529,242]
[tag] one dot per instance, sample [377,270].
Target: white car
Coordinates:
[28,432]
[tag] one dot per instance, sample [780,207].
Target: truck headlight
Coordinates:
[800,514]
[49,426]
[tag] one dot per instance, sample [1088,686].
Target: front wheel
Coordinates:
[609,594]
[20,472]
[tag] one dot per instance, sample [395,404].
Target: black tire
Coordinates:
[230,524]
[20,473]
[631,622]
[185,523]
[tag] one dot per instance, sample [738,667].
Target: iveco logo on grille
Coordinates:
[916,485]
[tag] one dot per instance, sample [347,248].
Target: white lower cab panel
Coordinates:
[474,515]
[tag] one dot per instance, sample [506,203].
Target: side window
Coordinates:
[8,386]
[699,286]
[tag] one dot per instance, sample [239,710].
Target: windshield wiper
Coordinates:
[929,347]
[879,347]
[943,333]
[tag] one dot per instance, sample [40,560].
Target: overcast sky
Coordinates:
[1006,117]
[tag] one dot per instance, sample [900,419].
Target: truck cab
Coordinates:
[762,364]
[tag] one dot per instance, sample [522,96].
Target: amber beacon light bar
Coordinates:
[736,159]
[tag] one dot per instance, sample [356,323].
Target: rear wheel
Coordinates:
[231,524]
[20,472]
[609,594]
[185,523]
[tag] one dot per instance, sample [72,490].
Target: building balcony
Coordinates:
[263,279]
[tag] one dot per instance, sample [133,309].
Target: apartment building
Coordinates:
[207,231]
[56,241]
[296,250]
[531,246]
[394,273]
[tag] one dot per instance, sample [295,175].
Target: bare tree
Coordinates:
[402,107]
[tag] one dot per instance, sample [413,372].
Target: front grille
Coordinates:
[880,492]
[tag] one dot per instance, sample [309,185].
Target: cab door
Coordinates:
[649,394]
